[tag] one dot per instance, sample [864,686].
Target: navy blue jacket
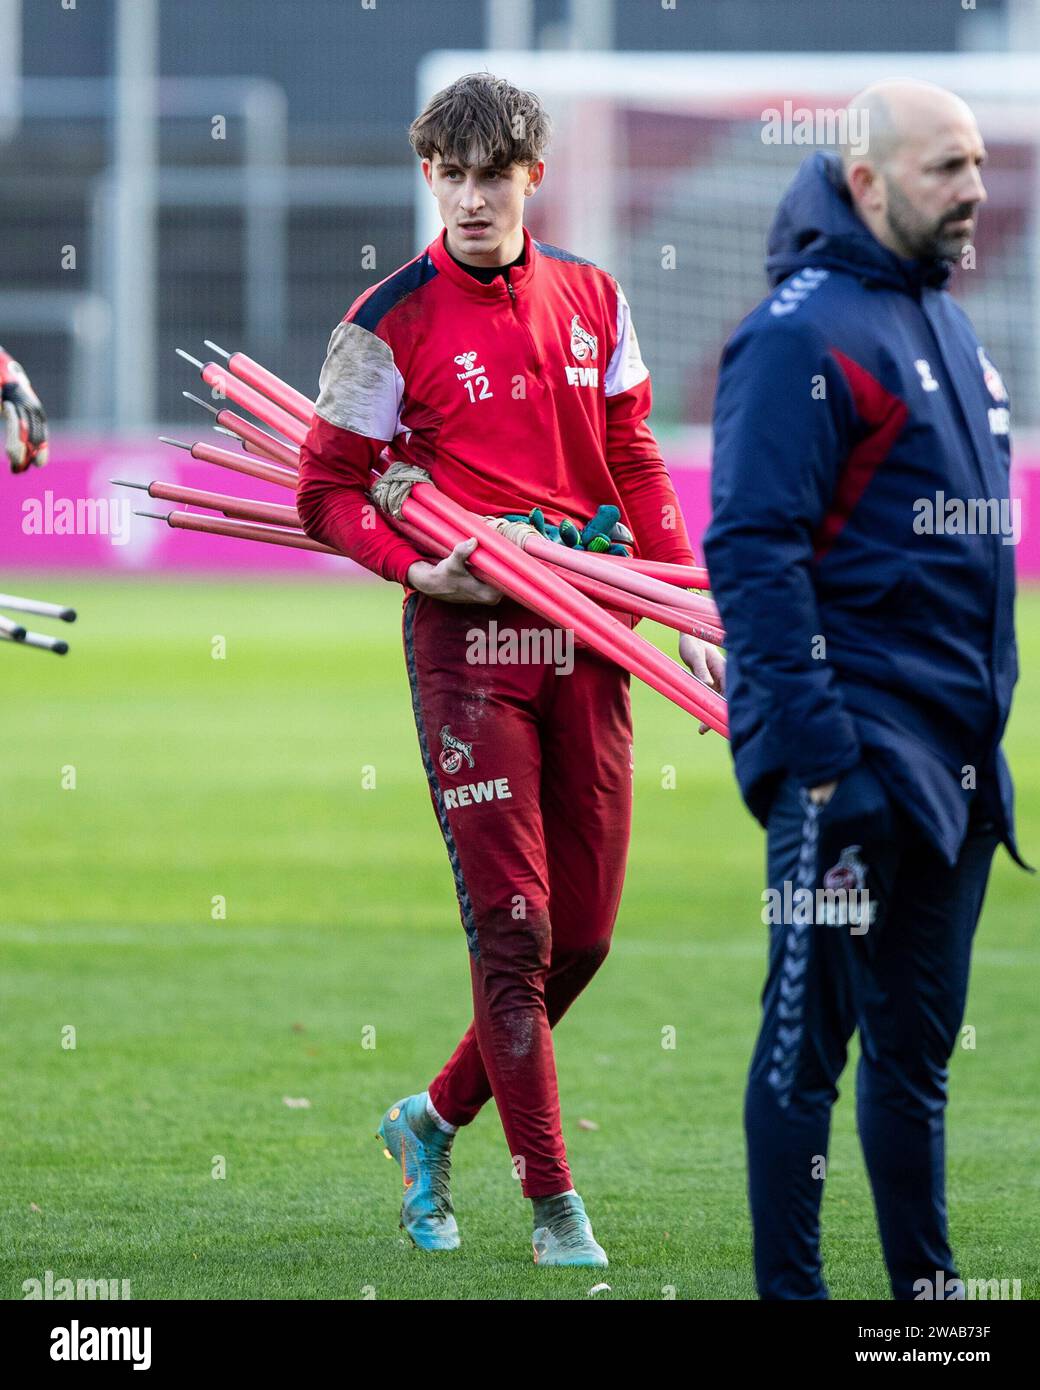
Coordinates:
[855,390]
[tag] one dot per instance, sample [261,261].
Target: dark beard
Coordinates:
[923,240]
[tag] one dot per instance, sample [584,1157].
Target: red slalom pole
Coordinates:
[546,591]
[610,597]
[604,594]
[581,611]
[264,409]
[632,581]
[251,448]
[239,463]
[260,440]
[418,538]
[232,389]
[503,571]
[286,398]
[686,576]
[539,588]
[279,391]
[222,526]
[254,468]
[597,571]
[260,383]
[244,508]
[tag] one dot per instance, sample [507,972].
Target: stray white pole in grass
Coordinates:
[57,645]
[42,610]
[10,629]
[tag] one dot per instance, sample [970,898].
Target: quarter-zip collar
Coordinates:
[519,275]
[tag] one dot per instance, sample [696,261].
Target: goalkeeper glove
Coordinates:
[604,533]
[25,424]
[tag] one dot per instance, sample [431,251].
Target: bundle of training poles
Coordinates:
[570,588]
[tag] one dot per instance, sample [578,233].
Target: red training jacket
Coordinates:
[515,395]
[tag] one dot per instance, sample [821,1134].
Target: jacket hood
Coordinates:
[816,225]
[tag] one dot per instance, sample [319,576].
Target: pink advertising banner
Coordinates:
[70,516]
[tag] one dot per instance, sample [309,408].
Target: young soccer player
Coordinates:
[510,371]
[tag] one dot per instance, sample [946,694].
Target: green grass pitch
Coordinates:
[243,778]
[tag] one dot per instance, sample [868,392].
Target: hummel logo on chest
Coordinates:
[473,377]
[924,371]
[465,360]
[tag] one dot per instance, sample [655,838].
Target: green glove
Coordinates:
[569,533]
[537,520]
[597,535]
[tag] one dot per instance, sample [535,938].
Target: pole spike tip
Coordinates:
[154,516]
[123,482]
[165,439]
[215,348]
[188,358]
[205,404]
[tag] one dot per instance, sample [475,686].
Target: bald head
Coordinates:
[891,113]
[913,168]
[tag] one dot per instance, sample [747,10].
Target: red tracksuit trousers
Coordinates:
[530,773]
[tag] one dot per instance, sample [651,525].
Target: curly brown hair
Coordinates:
[482,120]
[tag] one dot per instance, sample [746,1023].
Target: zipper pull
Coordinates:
[512,292]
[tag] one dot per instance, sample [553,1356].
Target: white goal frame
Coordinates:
[1003,84]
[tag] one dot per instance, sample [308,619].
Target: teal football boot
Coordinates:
[423,1150]
[563,1233]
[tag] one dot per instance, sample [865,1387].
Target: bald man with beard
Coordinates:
[871,664]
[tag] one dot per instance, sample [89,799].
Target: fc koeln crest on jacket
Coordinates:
[583,344]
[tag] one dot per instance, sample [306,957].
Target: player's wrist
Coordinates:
[421,576]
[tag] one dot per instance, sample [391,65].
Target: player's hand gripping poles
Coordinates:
[497,561]
[561,585]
